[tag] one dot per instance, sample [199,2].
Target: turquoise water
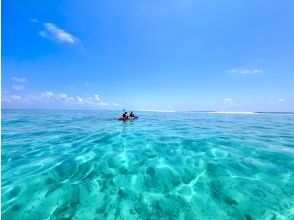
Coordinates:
[88,165]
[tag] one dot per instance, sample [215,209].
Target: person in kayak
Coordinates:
[125,115]
[132,115]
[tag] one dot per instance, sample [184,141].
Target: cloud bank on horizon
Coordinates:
[191,55]
[56,100]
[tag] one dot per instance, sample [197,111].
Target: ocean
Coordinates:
[164,165]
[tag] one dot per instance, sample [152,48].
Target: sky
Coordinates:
[166,55]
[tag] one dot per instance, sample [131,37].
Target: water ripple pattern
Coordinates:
[88,165]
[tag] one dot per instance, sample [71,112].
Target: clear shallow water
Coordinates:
[88,165]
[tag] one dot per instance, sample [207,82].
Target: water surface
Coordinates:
[88,165]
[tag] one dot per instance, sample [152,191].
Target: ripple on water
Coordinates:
[26,170]
[66,168]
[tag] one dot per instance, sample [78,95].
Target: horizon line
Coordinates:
[163,110]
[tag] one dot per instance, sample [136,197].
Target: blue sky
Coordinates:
[177,55]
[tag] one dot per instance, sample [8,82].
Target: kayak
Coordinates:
[125,119]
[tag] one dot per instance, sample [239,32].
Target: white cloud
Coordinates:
[80,100]
[47,94]
[16,97]
[18,87]
[99,101]
[280,100]
[33,20]
[62,96]
[97,98]
[228,100]
[89,101]
[55,33]
[58,98]
[240,71]
[19,79]
[5,99]
[70,99]
[103,103]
